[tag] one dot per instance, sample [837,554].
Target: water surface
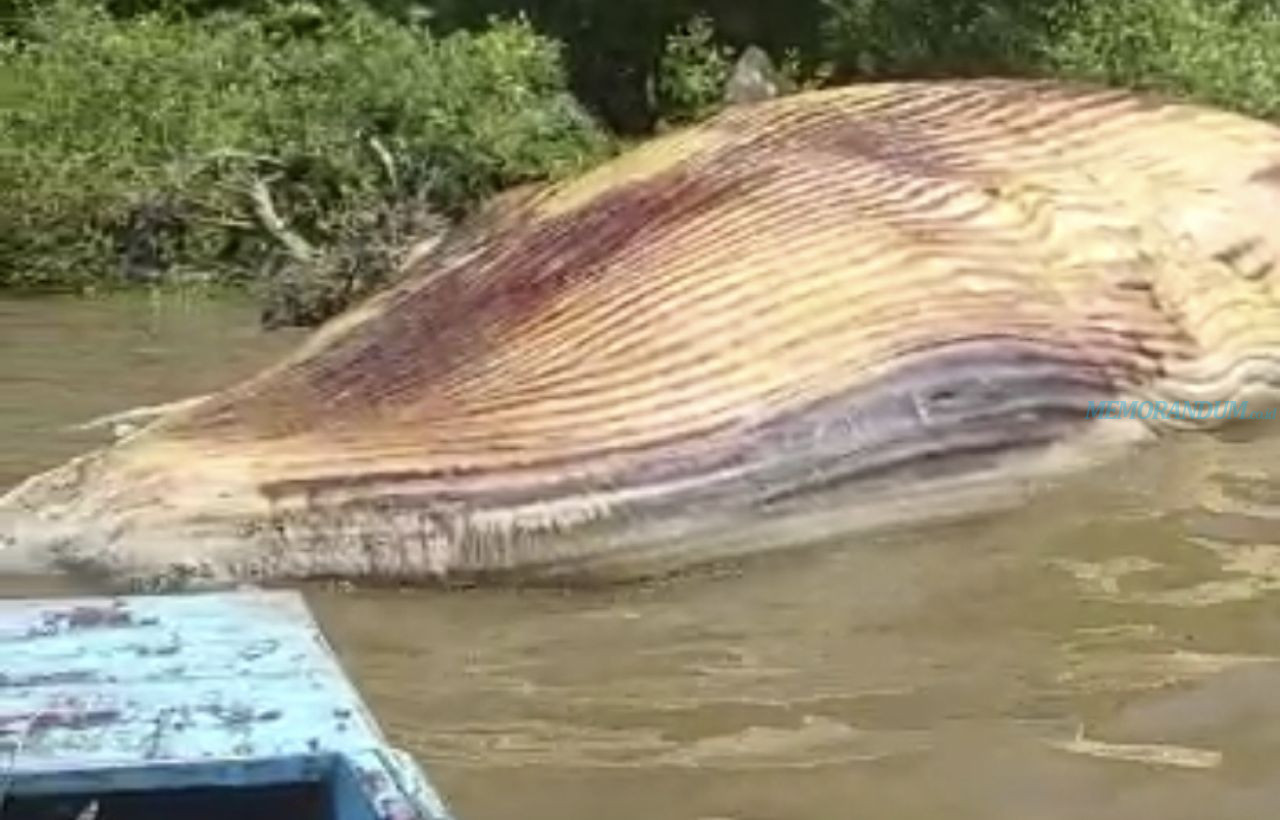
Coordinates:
[1108,652]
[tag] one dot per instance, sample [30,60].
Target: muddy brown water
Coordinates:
[1108,652]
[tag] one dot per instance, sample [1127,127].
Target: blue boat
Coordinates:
[199,706]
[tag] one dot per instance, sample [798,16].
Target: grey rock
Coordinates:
[754,79]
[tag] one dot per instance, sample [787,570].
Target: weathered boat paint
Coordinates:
[805,318]
[102,697]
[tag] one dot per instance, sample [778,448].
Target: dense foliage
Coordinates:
[1218,51]
[302,142]
[167,146]
[1226,51]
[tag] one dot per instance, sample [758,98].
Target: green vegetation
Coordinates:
[238,147]
[1225,52]
[1219,51]
[692,72]
[298,147]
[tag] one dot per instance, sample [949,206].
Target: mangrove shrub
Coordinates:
[1225,52]
[300,142]
[161,146]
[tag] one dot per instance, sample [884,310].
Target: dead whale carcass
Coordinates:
[803,318]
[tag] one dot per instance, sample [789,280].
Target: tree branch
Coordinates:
[264,211]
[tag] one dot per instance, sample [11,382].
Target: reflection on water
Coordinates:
[1109,652]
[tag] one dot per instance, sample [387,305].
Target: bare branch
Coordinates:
[387,161]
[264,210]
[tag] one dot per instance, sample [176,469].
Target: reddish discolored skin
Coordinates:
[803,319]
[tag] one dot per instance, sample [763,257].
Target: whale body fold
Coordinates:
[802,320]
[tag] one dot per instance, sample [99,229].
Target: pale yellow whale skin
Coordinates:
[804,318]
